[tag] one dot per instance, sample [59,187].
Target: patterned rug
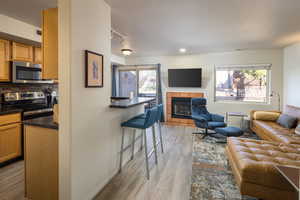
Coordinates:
[212,178]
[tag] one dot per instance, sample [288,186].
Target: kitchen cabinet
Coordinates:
[10,137]
[41,163]
[22,52]
[50,43]
[4,60]
[38,58]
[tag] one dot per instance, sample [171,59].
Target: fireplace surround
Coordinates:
[179,107]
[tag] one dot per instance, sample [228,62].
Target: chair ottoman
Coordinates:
[252,163]
[229,131]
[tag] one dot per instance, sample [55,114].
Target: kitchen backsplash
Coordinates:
[4,88]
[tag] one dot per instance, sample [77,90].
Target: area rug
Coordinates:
[212,178]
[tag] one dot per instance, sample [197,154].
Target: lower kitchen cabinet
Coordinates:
[10,141]
[41,163]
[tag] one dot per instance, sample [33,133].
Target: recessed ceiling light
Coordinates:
[127,52]
[182,50]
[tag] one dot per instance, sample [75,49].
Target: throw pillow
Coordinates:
[287,121]
[297,130]
[266,115]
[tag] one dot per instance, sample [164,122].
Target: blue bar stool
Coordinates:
[141,123]
[158,121]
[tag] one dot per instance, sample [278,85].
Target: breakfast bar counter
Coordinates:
[127,103]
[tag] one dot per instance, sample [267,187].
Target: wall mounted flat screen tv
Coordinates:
[185,77]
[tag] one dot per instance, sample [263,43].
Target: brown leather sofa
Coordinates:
[271,131]
[252,163]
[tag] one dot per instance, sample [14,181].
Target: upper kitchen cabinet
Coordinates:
[4,60]
[22,52]
[38,56]
[50,44]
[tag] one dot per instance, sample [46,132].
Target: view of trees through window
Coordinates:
[241,85]
[147,82]
[141,82]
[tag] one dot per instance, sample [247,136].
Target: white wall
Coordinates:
[18,28]
[118,59]
[291,75]
[90,133]
[208,61]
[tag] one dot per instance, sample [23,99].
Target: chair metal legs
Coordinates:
[146,155]
[121,152]
[143,145]
[154,143]
[132,144]
[142,141]
[161,139]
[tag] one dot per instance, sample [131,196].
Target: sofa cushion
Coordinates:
[287,121]
[297,130]
[255,160]
[266,115]
[292,111]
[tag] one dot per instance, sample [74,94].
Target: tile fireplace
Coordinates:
[179,107]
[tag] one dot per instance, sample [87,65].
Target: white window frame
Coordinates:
[243,67]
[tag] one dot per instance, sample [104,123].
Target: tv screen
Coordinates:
[185,77]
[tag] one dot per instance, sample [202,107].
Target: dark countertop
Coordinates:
[7,110]
[131,102]
[45,122]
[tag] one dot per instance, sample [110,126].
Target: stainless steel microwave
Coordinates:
[25,72]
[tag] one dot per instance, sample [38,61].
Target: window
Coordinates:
[127,83]
[147,82]
[140,81]
[243,83]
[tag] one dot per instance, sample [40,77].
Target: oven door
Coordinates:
[23,72]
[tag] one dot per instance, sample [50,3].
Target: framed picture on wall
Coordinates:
[93,69]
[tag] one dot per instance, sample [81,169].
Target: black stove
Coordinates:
[32,104]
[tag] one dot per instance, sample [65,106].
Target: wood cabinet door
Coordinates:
[50,44]
[10,142]
[41,163]
[37,55]
[22,52]
[4,60]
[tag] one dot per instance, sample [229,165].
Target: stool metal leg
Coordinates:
[122,146]
[161,139]
[146,154]
[142,140]
[154,143]
[132,144]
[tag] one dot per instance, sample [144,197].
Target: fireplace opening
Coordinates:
[181,107]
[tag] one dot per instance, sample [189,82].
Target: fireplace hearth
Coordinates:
[181,107]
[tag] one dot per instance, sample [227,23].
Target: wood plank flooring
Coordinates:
[169,180]
[12,181]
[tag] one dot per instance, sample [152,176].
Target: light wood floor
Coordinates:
[169,180]
[12,181]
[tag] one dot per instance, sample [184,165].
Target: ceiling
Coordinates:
[161,27]
[28,11]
